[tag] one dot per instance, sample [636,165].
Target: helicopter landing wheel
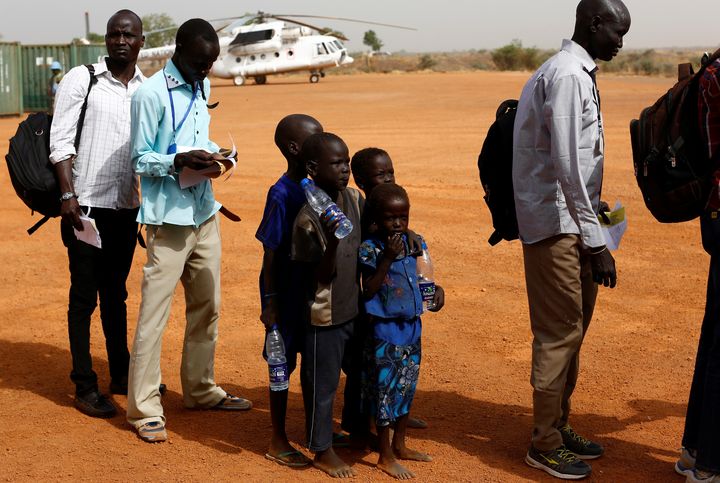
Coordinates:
[239,80]
[260,79]
[322,74]
[314,78]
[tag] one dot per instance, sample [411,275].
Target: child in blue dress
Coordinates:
[394,305]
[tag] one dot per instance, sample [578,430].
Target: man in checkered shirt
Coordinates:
[97,181]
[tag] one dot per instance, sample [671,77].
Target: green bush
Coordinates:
[426,62]
[514,56]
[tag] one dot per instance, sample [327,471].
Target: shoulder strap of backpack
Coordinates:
[81,119]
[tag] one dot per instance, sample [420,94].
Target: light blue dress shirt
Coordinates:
[558,150]
[152,135]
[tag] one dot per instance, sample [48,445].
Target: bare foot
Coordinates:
[395,469]
[406,453]
[330,463]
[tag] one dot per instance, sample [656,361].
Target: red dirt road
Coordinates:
[474,388]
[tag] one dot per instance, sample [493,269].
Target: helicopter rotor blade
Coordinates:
[314,27]
[344,19]
[228,21]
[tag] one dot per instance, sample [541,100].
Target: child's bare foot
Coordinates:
[406,453]
[395,469]
[329,462]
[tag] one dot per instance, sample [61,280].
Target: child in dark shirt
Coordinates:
[330,289]
[284,200]
[394,304]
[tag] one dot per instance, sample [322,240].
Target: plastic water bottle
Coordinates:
[277,363]
[321,203]
[426,281]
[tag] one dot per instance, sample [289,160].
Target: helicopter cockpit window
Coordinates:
[331,47]
[246,38]
[321,50]
[338,44]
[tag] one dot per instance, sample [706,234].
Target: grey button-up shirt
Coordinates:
[558,150]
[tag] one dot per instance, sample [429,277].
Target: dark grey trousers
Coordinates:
[327,351]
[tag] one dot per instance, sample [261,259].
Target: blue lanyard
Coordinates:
[172,108]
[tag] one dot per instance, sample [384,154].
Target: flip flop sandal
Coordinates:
[233,403]
[282,459]
[416,423]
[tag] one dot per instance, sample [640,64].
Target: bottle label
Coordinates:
[278,373]
[333,213]
[427,290]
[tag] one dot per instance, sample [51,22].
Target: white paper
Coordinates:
[190,177]
[90,233]
[614,231]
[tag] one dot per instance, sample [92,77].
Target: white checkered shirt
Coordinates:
[103,175]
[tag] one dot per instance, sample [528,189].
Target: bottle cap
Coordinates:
[306,182]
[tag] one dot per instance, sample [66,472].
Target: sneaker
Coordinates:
[583,448]
[697,476]
[686,464]
[152,432]
[559,462]
[95,404]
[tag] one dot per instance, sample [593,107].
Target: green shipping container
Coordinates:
[11,98]
[36,74]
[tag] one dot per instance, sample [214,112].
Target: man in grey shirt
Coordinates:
[558,156]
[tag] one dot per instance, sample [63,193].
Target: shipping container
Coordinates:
[36,74]
[11,98]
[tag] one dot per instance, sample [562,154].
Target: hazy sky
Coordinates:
[442,25]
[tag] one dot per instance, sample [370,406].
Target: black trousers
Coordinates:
[327,351]
[100,273]
[702,423]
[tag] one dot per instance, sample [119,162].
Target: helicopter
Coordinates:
[272,44]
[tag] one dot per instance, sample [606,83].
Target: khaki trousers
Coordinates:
[192,255]
[561,295]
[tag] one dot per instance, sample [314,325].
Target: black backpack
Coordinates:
[671,164]
[28,161]
[495,166]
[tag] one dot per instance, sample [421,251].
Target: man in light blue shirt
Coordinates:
[558,155]
[170,132]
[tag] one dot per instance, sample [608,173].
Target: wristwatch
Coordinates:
[67,195]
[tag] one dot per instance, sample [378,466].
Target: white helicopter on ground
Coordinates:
[258,47]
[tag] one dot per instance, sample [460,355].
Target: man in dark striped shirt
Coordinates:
[700,458]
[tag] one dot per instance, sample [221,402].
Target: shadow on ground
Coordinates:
[497,434]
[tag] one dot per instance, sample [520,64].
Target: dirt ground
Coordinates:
[474,388]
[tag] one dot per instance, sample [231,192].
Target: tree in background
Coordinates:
[163,29]
[371,40]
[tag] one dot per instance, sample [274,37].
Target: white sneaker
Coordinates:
[686,464]
[697,476]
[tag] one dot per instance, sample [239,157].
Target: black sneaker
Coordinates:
[95,404]
[583,448]
[559,462]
